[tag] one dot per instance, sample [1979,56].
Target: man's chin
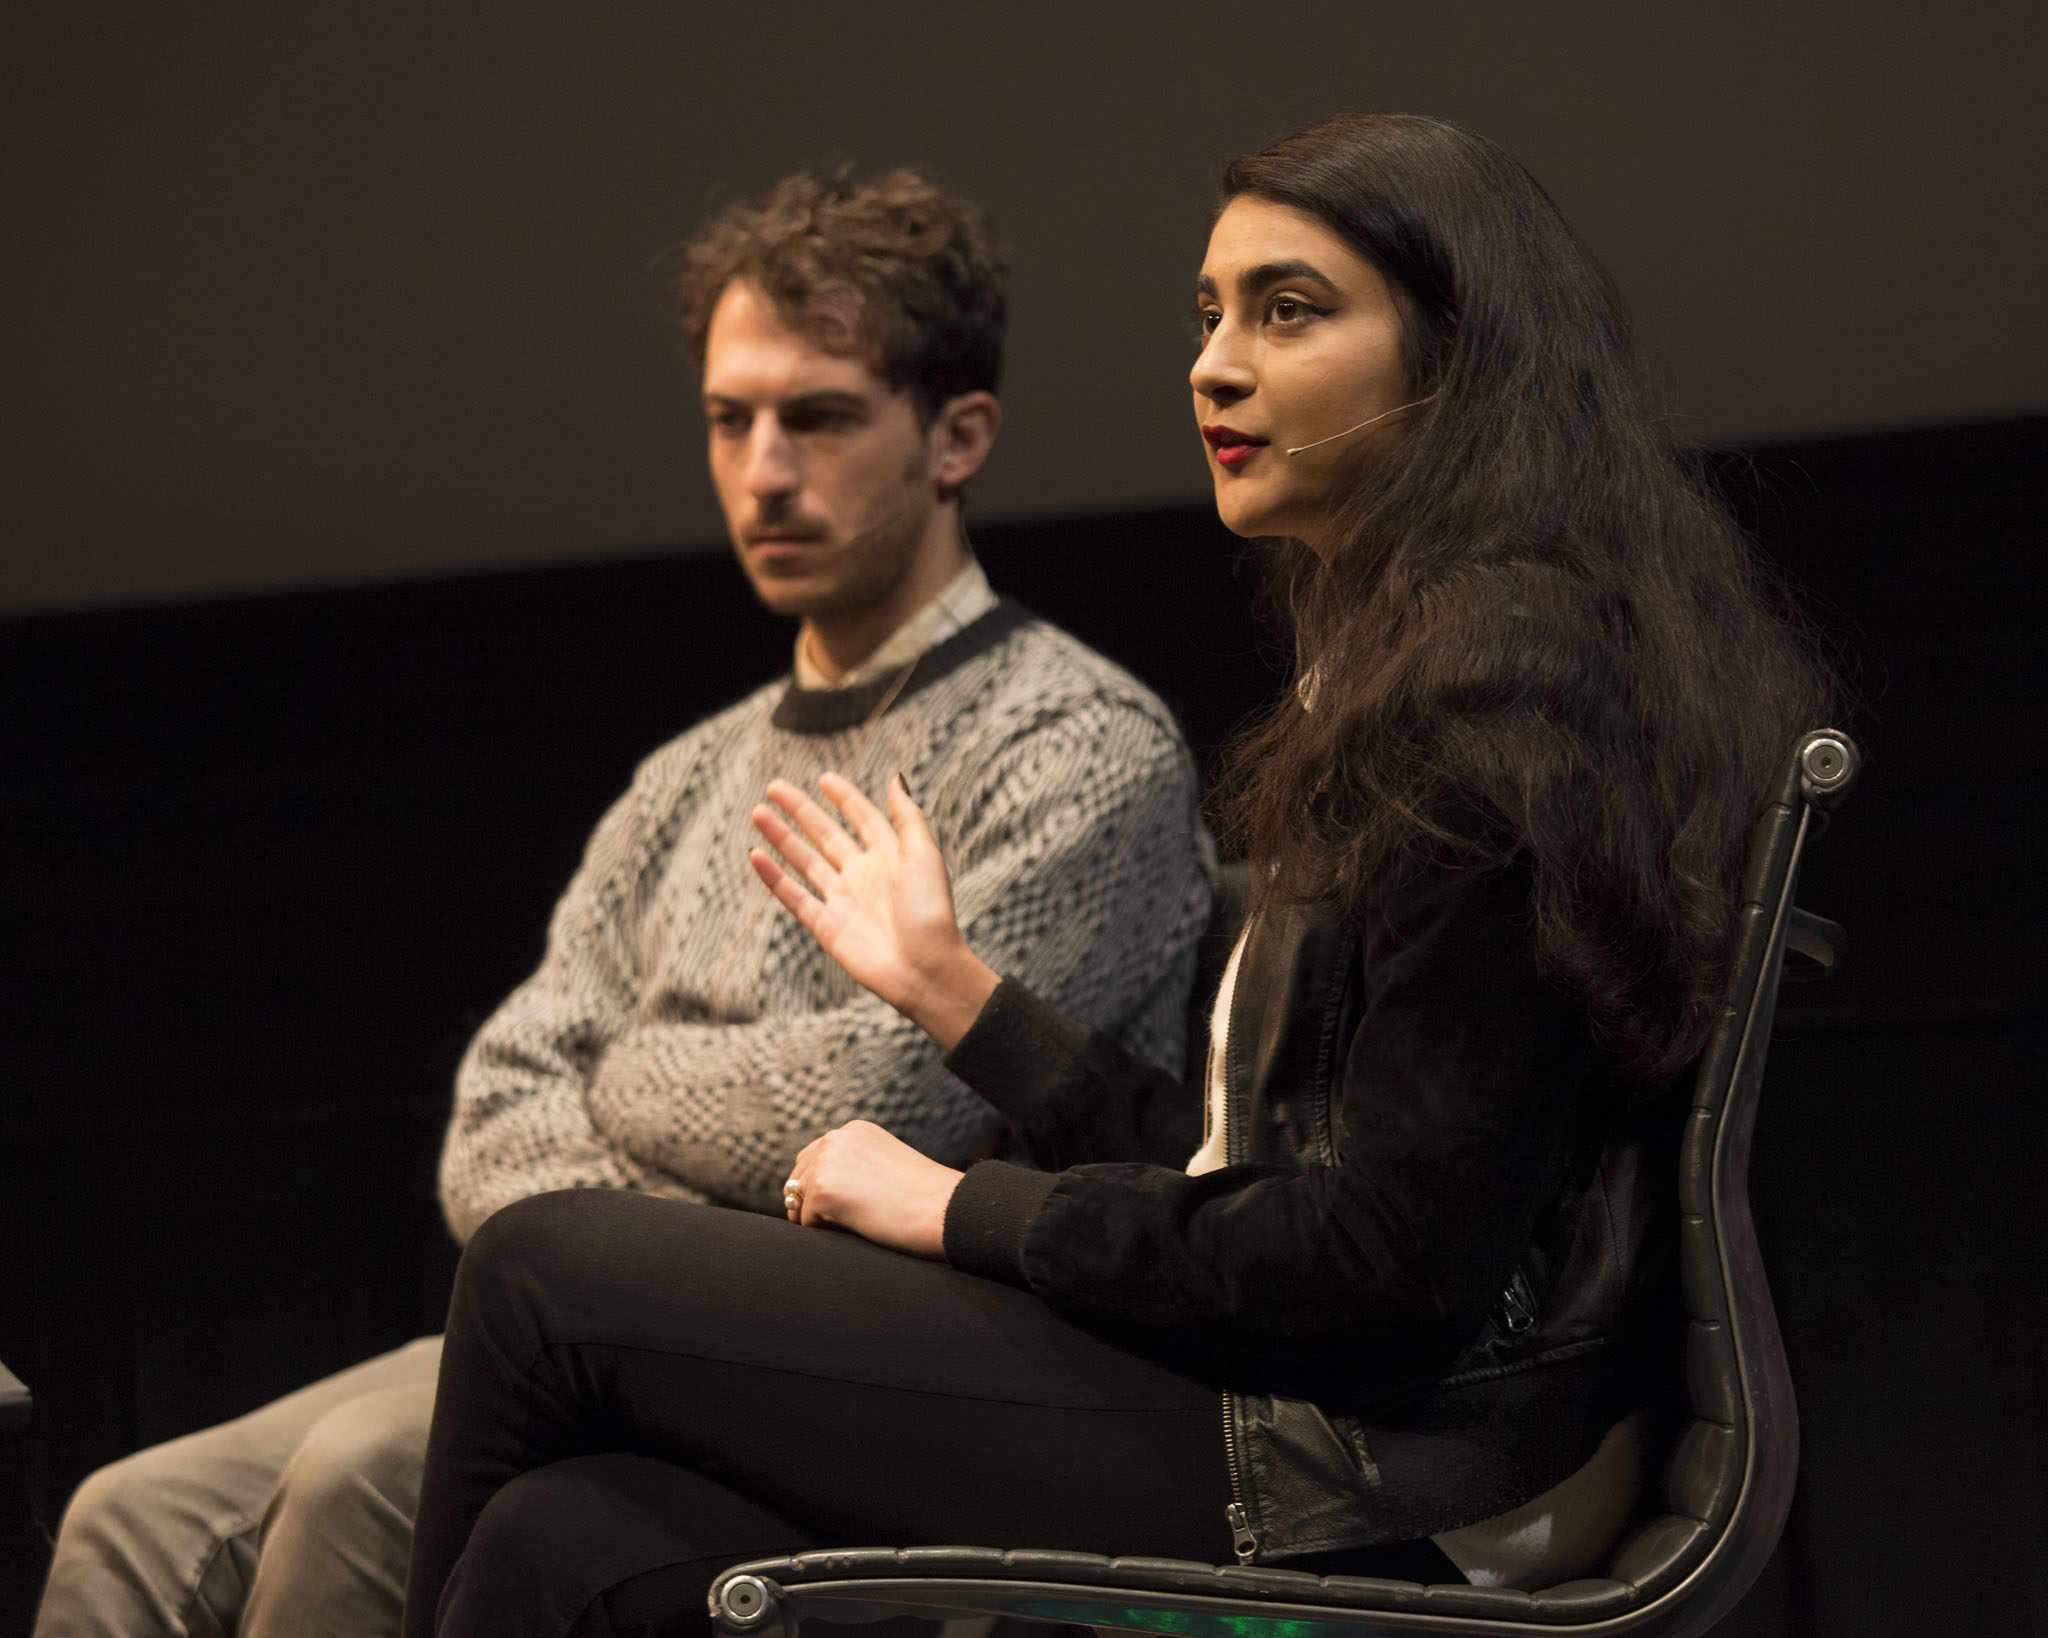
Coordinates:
[797,592]
[794,598]
[827,592]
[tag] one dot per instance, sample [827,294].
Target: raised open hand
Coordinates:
[881,902]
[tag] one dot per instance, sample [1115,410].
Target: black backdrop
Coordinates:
[268,862]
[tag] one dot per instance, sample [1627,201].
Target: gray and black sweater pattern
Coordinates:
[685,1036]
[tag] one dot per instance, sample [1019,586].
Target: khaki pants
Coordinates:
[293,1520]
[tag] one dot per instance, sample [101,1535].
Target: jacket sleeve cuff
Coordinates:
[988,1216]
[1017,1049]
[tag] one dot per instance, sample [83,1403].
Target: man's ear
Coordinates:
[962,434]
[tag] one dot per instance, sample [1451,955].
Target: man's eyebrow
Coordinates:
[827,399]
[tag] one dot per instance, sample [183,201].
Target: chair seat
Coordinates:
[1182,1596]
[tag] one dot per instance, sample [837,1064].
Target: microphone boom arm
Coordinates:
[1362,425]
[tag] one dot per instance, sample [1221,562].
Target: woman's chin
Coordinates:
[1241,514]
[1245,517]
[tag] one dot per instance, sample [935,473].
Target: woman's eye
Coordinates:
[1290,309]
[1206,320]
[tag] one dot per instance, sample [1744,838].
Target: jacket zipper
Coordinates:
[1244,1540]
[1515,1312]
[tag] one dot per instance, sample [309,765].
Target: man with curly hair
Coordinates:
[679,1037]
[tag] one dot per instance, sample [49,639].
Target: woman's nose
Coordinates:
[1222,373]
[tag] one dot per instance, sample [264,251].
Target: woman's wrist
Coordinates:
[952,996]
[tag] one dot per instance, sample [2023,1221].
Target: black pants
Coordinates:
[635,1394]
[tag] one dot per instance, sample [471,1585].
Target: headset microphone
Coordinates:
[1362,425]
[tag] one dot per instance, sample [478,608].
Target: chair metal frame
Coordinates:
[1728,1479]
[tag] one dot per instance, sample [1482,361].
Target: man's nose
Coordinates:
[772,467]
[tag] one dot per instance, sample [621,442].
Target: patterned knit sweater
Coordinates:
[685,1036]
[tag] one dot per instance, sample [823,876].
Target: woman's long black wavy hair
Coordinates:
[1539,633]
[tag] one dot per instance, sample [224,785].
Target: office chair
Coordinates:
[1727,1478]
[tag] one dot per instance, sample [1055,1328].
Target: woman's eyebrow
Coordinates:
[1254,279]
[1257,278]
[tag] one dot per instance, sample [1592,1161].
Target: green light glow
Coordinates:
[1189,1623]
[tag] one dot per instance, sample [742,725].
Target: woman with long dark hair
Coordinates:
[1402,1311]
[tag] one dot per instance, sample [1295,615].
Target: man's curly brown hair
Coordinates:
[891,269]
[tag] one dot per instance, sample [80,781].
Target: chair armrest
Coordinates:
[1814,946]
[14,1400]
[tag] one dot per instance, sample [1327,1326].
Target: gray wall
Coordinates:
[319,294]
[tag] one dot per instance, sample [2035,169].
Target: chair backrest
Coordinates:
[1728,1482]
[1726,1486]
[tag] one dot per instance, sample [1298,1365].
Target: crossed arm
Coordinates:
[590,1076]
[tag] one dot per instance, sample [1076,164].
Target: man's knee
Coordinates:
[166,1540]
[336,1538]
[128,1500]
[366,1453]
[120,1490]
[158,1541]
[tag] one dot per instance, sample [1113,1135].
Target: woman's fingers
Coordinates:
[803,858]
[801,1171]
[884,912]
[825,832]
[806,907]
[909,817]
[861,1178]
[866,819]
[807,1182]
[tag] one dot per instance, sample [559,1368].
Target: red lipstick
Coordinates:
[1231,447]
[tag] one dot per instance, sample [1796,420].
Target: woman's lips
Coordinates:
[1231,447]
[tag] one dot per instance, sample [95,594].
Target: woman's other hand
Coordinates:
[881,902]
[860,1178]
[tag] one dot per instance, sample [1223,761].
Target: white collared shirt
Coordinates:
[961,601]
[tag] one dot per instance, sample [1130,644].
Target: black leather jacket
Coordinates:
[1418,1279]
